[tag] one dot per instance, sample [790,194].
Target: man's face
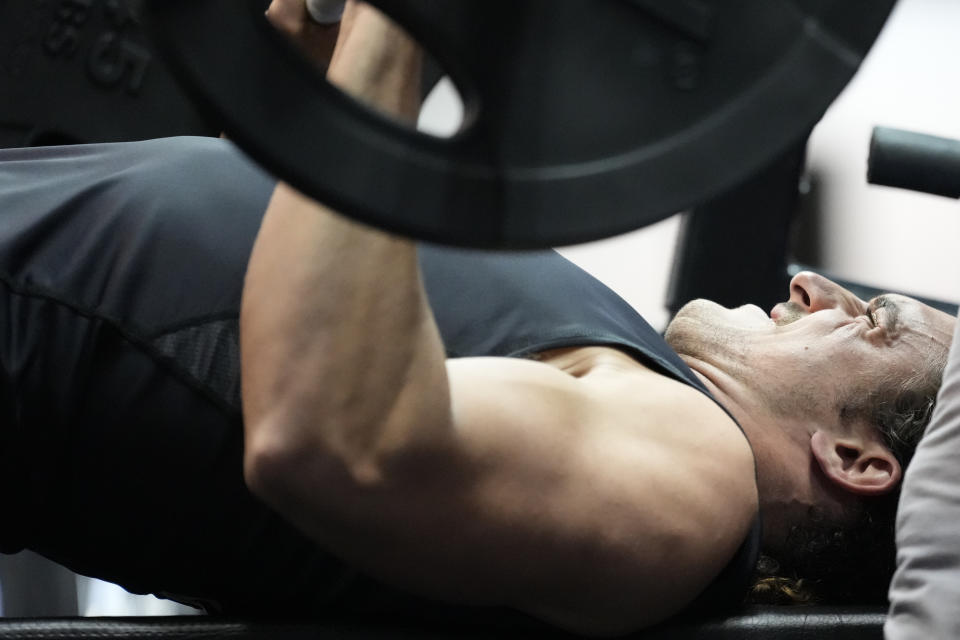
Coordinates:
[820,345]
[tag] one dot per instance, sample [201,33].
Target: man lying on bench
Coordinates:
[481,429]
[592,479]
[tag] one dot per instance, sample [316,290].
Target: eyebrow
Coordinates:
[891,319]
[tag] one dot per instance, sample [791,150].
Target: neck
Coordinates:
[781,449]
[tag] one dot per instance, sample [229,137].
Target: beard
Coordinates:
[702,330]
[740,343]
[789,311]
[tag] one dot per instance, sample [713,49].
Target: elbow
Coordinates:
[269,465]
[278,465]
[284,469]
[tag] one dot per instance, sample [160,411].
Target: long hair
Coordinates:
[852,562]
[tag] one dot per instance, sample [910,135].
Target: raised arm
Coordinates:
[335,320]
[566,492]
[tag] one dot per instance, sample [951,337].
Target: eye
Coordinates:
[871,317]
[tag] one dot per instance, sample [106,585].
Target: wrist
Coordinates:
[378,63]
[315,41]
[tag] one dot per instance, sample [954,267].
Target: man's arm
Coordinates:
[490,481]
[362,283]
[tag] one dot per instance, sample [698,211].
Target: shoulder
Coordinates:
[701,468]
[702,449]
[649,406]
[645,475]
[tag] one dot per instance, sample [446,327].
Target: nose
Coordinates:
[813,293]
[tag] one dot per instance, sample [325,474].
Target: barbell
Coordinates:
[585,118]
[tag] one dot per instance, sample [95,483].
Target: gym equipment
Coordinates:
[914,161]
[757,623]
[75,71]
[752,264]
[733,248]
[325,11]
[585,118]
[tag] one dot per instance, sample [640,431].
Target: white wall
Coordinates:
[882,236]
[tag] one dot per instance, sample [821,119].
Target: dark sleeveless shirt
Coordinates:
[121,269]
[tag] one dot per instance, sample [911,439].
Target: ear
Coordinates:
[860,465]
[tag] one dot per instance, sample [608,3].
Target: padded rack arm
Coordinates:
[914,161]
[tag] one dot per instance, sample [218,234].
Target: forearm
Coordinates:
[339,347]
[341,359]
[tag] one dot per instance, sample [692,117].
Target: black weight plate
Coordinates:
[83,71]
[586,118]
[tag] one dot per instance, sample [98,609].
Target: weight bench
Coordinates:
[756,623]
